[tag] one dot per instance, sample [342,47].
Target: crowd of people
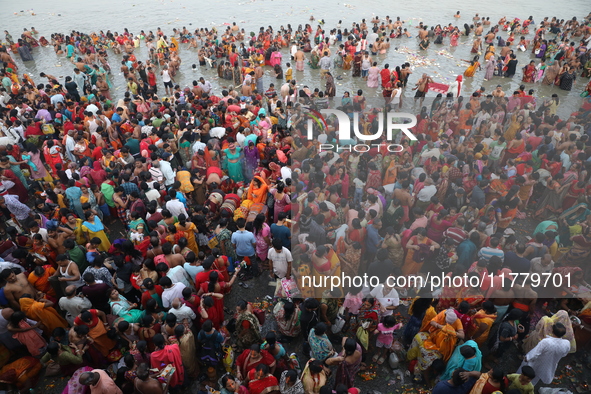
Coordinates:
[127,221]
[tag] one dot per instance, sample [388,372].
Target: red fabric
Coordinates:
[171,354]
[146,296]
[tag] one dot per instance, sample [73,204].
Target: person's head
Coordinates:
[143,371]
[558,330]
[229,383]
[311,304]
[261,371]
[350,346]
[320,329]
[389,321]
[8,275]
[113,294]
[527,375]
[158,341]
[277,244]
[515,314]
[456,378]
[489,307]
[88,378]
[315,367]
[467,351]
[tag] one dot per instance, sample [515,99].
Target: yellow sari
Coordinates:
[334,261]
[78,233]
[471,70]
[48,316]
[482,317]
[430,314]
[96,229]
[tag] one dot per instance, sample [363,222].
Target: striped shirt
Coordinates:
[487,253]
[456,234]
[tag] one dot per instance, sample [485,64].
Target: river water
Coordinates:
[67,15]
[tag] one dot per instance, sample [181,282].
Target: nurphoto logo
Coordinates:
[393,121]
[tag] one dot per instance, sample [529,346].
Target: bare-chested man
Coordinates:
[478,31]
[421,87]
[503,298]
[143,383]
[406,199]
[498,94]
[525,296]
[56,238]
[80,65]
[299,58]
[16,286]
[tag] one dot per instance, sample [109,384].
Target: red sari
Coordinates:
[18,188]
[262,386]
[171,354]
[572,195]
[246,365]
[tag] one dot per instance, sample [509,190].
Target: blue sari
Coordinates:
[73,194]
[458,361]
[17,171]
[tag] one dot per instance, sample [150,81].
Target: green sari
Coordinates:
[314,60]
[234,169]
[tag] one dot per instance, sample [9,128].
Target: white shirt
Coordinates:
[179,275]
[391,299]
[544,358]
[167,171]
[280,261]
[176,208]
[206,86]
[197,146]
[73,306]
[165,76]
[174,291]
[147,130]
[182,313]
[153,195]
[92,108]
[43,233]
[426,193]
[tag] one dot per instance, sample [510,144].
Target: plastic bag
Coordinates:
[338,325]
[363,337]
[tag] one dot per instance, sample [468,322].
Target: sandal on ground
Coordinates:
[375,358]
[381,360]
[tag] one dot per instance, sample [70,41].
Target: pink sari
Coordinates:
[31,339]
[73,387]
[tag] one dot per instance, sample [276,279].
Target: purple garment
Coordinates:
[44,114]
[541,51]
[382,199]
[251,157]
[490,67]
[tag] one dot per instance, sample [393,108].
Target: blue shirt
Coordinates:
[244,242]
[283,233]
[373,239]
[466,253]
[445,387]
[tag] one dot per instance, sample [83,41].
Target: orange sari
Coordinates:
[48,316]
[444,340]
[391,174]
[482,317]
[430,314]
[41,283]
[258,195]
